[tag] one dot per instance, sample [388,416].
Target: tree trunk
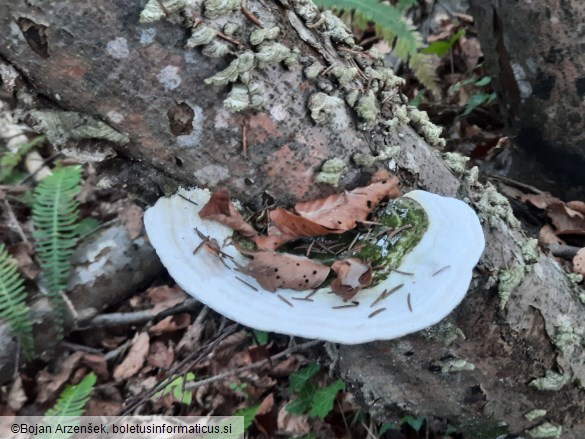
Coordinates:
[171,128]
[534,51]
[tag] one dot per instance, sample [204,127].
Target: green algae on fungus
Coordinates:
[387,251]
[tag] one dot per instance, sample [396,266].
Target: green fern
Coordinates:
[13,307]
[72,400]
[68,408]
[55,214]
[391,25]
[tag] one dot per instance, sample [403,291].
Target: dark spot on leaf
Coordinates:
[369,204]
[298,264]
[314,272]
[178,161]
[181,119]
[35,35]
[278,277]
[306,281]
[276,270]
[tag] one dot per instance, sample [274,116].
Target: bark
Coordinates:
[100,60]
[534,51]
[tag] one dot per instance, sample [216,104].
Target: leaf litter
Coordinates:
[335,214]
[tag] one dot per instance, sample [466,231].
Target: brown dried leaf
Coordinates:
[160,355]
[135,358]
[290,224]
[341,212]
[280,270]
[191,339]
[566,221]
[579,206]
[16,397]
[295,425]
[266,405]
[22,253]
[352,275]
[165,297]
[220,209]
[50,385]
[131,216]
[548,236]
[579,262]
[97,363]
[171,324]
[542,200]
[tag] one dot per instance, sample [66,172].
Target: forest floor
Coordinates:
[192,361]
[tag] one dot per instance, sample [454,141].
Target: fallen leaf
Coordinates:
[579,206]
[341,212]
[160,355]
[566,220]
[50,385]
[280,270]
[352,275]
[16,397]
[579,262]
[135,358]
[165,297]
[171,324]
[22,253]
[97,363]
[295,425]
[541,200]
[548,236]
[219,208]
[287,366]
[102,408]
[131,216]
[266,405]
[191,338]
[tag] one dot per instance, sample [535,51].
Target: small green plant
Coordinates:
[391,25]
[55,215]
[13,307]
[310,398]
[482,97]
[261,337]
[177,388]
[69,407]
[249,413]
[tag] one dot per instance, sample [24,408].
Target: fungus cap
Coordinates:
[441,263]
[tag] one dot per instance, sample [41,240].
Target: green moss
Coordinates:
[456,162]
[494,207]
[344,74]
[386,252]
[367,108]
[565,336]
[201,35]
[446,333]
[272,53]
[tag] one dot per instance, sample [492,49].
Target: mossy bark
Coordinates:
[97,58]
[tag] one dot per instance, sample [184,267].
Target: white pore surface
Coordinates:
[454,239]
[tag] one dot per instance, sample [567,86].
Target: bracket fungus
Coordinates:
[427,282]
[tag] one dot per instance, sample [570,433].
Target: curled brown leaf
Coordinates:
[352,275]
[221,209]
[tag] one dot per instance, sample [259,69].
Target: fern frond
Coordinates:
[425,72]
[55,214]
[13,307]
[69,407]
[391,25]
[387,19]
[73,399]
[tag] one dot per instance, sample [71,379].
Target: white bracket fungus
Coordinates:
[432,279]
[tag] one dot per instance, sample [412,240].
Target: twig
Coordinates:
[81,348]
[230,39]
[13,222]
[250,16]
[139,317]
[563,251]
[194,357]
[229,373]
[244,140]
